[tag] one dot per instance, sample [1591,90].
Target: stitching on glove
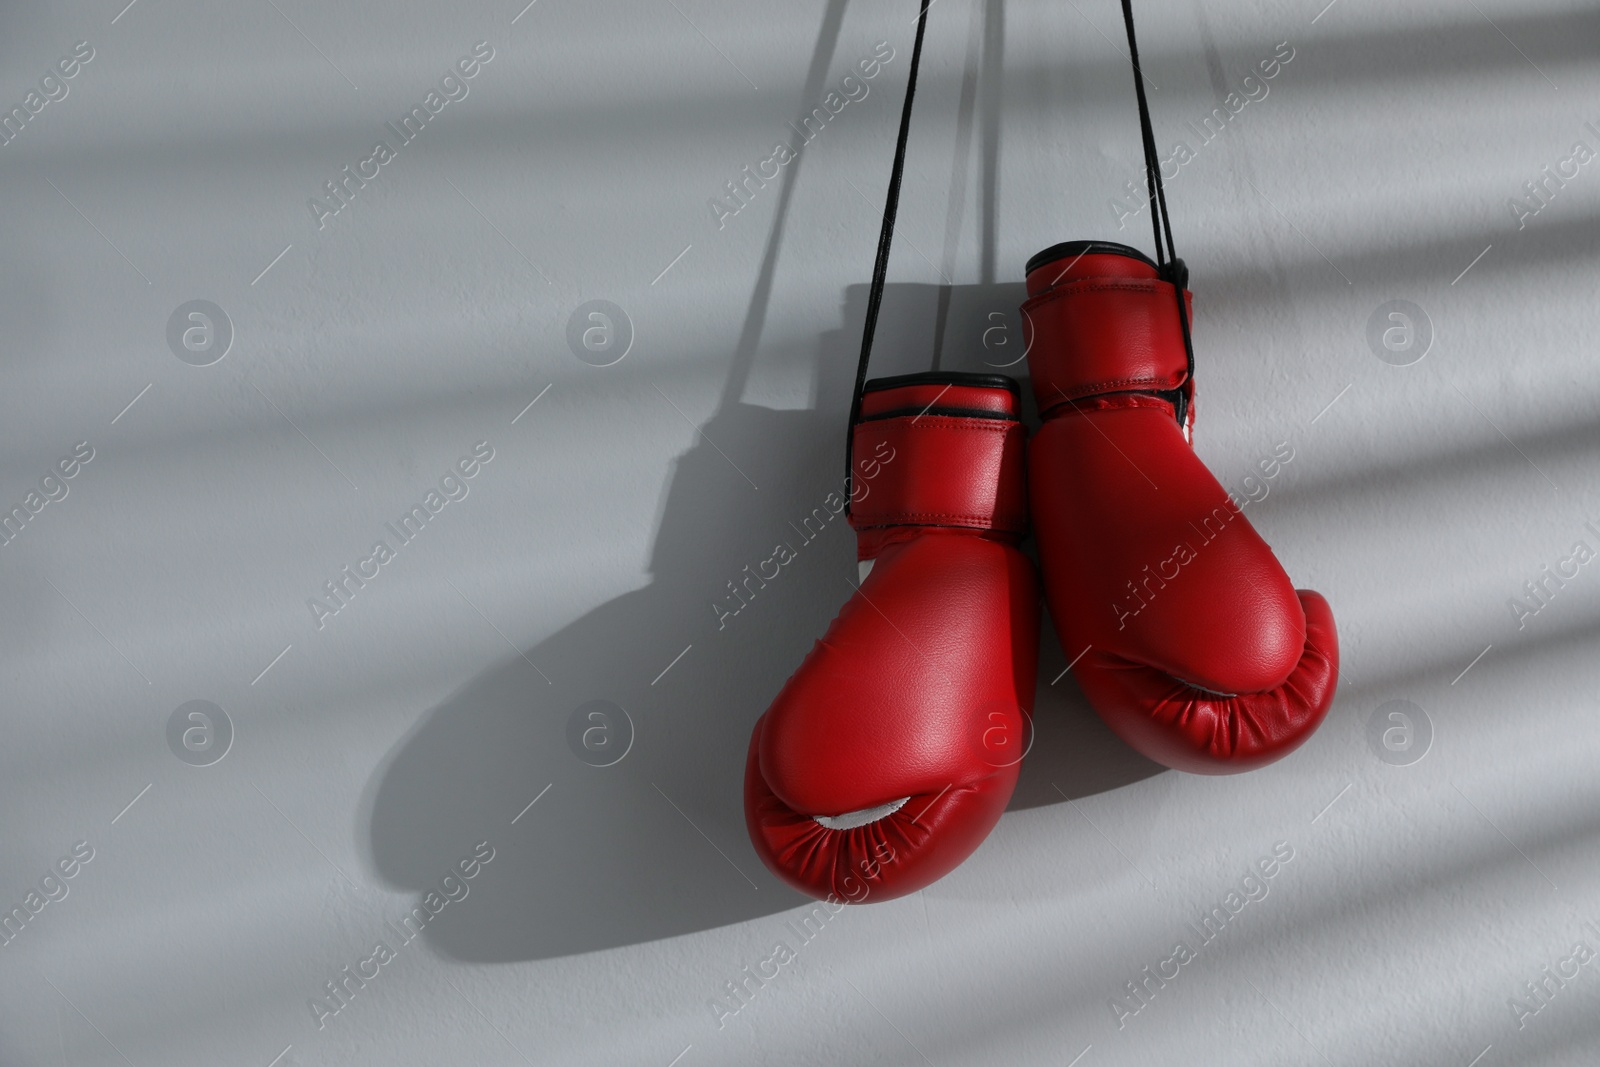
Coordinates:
[951,422]
[1090,388]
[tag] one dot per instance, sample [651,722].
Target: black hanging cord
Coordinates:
[1152,162]
[880,267]
[1172,268]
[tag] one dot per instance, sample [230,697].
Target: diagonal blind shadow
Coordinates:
[654,845]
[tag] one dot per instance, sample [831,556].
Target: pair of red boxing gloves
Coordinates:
[891,753]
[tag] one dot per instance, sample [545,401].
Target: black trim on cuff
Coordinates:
[1085,248]
[975,381]
[959,413]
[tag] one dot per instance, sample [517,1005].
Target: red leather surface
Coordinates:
[1203,733]
[1201,654]
[1047,276]
[945,471]
[919,397]
[921,687]
[1108,323]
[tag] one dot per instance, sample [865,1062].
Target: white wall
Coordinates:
[426,715]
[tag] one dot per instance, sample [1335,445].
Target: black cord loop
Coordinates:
[880,267]
[1171,267]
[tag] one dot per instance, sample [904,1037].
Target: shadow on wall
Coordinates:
[654,845]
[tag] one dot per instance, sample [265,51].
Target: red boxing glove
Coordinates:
[1189,639]
[889,755]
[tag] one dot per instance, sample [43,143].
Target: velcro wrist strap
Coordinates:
[1103,335]
[936,469]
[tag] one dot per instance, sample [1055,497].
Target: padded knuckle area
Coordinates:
[1254,653]
[1194,729]
[926,837]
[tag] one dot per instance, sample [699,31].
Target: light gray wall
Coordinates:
[370,755]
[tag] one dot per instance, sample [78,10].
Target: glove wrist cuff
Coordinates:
[940,450]
[1100,319]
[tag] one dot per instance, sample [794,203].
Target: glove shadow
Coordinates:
[654,844]
[1074,753]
